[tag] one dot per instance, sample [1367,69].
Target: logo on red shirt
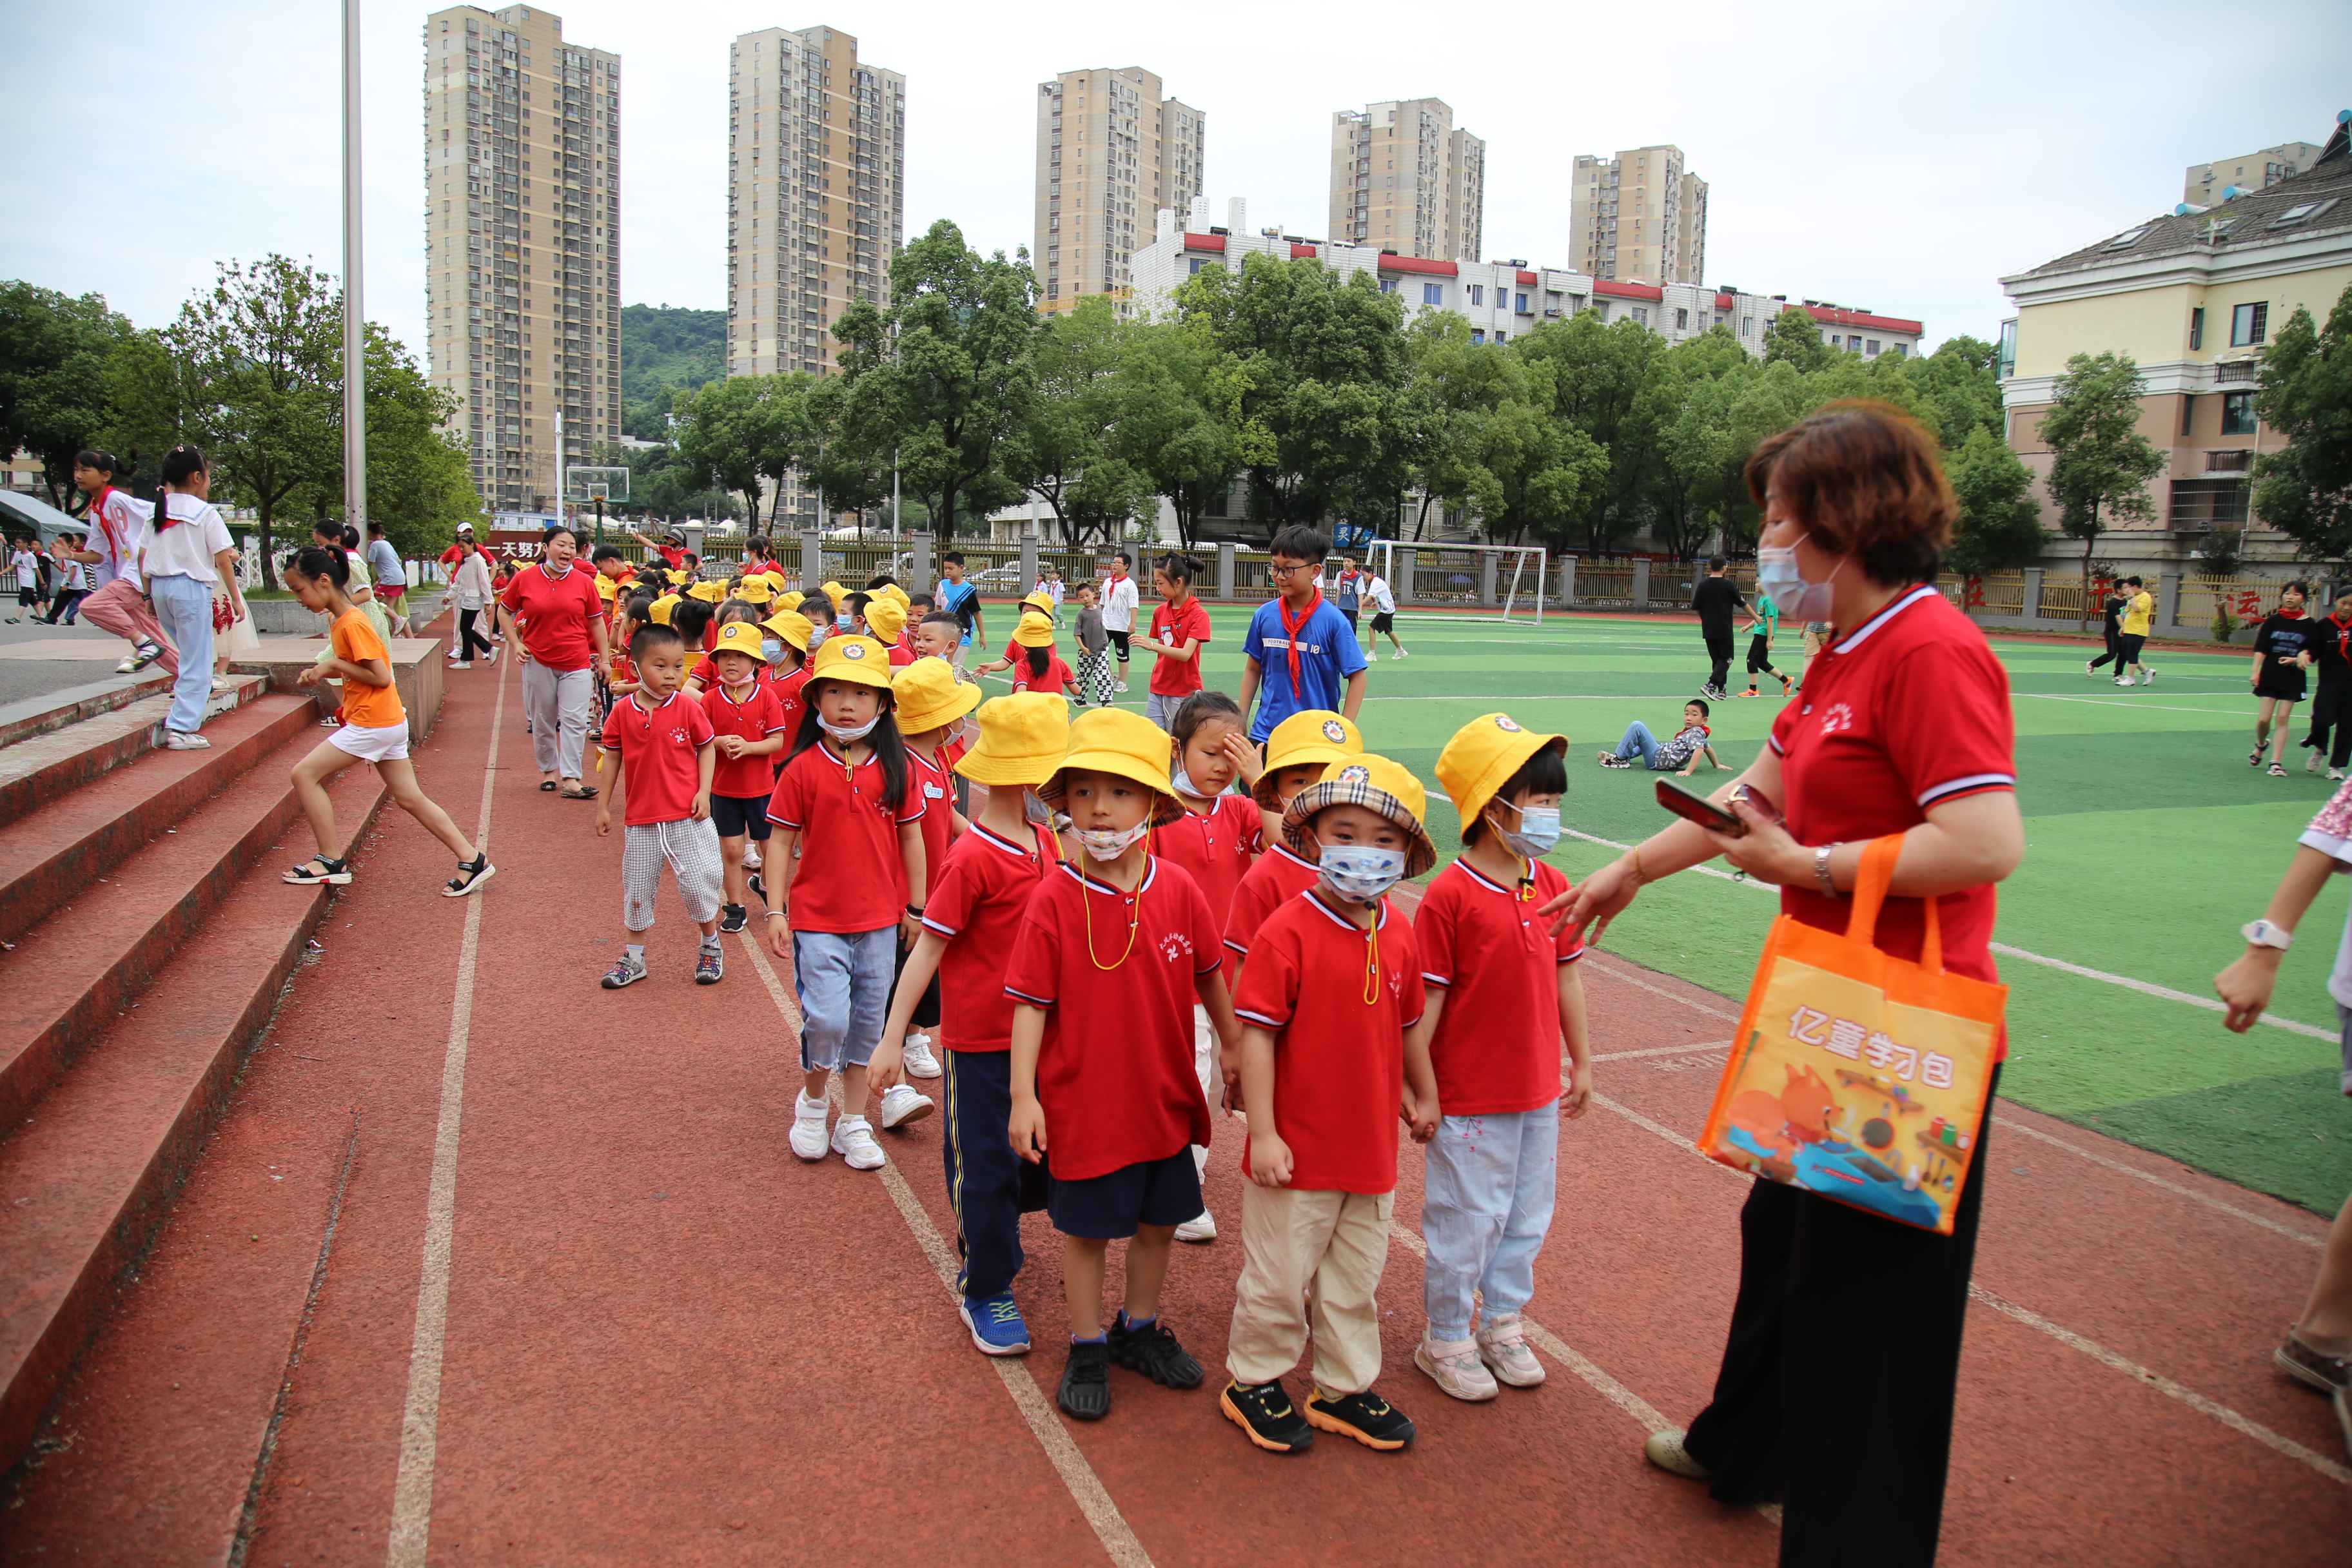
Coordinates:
[1838,717]
[1175,946]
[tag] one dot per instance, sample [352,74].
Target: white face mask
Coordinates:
[1779,579]
[1039,813]
[845,734]
[1360,873]
[1108,843]
[1539,830]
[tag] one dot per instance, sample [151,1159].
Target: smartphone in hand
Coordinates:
[1688,802]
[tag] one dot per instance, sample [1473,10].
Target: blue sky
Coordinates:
[1897,160]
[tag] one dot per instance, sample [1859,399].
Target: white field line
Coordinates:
[2063,1335]
[1694,1049]
[1120,1543]
[420,1421]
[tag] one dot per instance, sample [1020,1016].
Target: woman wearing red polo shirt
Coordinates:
[552,615]
[1905,727]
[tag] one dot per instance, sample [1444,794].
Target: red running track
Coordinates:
[658,1336]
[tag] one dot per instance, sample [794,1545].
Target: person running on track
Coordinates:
[2111,616]
[668,757]
[1714,600]
[2331,702]
[1764,621]
[2281,653]
[2139,619]
[374,730]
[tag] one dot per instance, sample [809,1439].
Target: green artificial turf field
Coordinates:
[2149,843]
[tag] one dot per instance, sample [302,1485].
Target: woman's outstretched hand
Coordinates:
[1591,904]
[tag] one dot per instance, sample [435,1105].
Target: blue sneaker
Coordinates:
[995,1324]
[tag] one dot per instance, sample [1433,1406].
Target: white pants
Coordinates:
[1212,1076]
[557,703]
[690,848]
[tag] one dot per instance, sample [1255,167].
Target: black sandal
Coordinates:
[548,785]
[335,871]
[472,874]
[585,791]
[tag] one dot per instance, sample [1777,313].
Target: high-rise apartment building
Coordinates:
[522,179]
[816,168]
[2203,183]
[1640,215]
[1405,179]
[1112,150]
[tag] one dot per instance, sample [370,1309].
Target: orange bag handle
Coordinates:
[1870,884]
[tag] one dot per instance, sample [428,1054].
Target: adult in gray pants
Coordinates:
[553,620]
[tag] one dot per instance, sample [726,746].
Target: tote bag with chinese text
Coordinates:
[1855,1074]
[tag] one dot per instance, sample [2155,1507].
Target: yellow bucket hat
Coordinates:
[1036,631]
[1371,781]
[754,591]
[776,579]
[930,695]
[1040,600]
[1123,742]
[740,636]
[1022,737]
[833,591]
[891,590]
[674,577]
[791,625]
[709,592]
[886,618]
[1483,755]
[789,599]
[1313,735]
[606,587]
[661,609]
[848,657]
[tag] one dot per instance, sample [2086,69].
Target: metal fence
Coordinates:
[1604,583]
[2247,598]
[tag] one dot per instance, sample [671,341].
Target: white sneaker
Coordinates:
[853,1139]
[901,1105]
[2147,676]
[1455,1366]
[1402,653]
[1503,1346]
[2336,775]
[461,664]
[492,656]
[223,683]
[808,1138]
[2090,666]
[1201,1226]
[1120,687]
[750,858]
[185,741]
[919,1061]
[129,665]
[2311,763]
[2123,680]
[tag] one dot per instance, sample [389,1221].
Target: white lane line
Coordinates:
[2011,1124]
[2063,1335]
[1694,1048]
[1093,1498]
[420,1420]
[2162,1384]
[2146,988]
[2128,703]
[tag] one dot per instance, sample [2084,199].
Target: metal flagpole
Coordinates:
[354,303]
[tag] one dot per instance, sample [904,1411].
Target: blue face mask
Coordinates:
[1539,830]
[771,649]
[1360,873]
[1779,579]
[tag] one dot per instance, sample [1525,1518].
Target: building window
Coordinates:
[2187,412]
[2249,322]
[1476,335]
[1682,320]
[1387,285]
[2238,413]
[1477,293]
[1523,305]
[1433,293]
[1870,348]
[2196,328]
[1641,315]
[1198,263]
[1747,326]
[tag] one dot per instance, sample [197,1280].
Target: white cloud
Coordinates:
[1897,160]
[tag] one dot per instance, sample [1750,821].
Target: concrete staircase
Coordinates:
[145,939]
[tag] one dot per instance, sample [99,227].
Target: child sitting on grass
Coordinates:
[1681,753]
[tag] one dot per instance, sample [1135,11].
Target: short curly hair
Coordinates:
[1867,478]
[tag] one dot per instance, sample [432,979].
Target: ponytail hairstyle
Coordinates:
[1038,659]
[314,561]
[890,746]
[104,462]
[691,618]
[351,537]
[181,464]
[1178,567]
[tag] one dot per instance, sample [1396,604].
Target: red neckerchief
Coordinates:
[2343,637]
[2290,614]
[1291,630]
[98,510]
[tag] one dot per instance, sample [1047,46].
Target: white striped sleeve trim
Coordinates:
[1576,957]
[931,924]
[1024,997]
[1235,947]
[1974,782]
[1774,742]
[1261,1018]
[1427,978]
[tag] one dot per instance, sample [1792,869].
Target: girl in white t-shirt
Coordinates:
[187,558]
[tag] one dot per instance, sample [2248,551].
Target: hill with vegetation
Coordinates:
[663,346]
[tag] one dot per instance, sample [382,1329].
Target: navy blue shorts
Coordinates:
[1108,1208]
[736,814]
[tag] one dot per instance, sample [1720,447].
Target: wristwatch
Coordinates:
[1821,872]
[2261,933]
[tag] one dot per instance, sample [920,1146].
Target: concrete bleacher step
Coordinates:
[69,743]
[121,1035]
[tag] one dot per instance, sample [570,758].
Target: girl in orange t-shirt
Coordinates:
[374,730]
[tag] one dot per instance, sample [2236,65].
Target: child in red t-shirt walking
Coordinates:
[1217,840]
[1034,665]
[666,754]
[1503,994]
[931,705]
[848,787]
[1297,750]
[750,725]
[1329,1059]
[1179,635]
[969,925]
[1110,956]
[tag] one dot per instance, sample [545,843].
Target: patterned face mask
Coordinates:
[1360,873]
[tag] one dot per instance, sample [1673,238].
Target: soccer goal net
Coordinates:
[1502,581]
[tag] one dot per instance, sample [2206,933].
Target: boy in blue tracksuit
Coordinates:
[1300,651]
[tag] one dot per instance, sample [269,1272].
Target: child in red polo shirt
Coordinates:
[1330,1056]
[1179,635]
[849,787]
[751,728]
[1296,751]
[668,757]
[931,705]
[969,925]
[1123,942]
[1503,994]
[1217,841]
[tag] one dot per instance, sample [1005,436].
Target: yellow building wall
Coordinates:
[2151,325]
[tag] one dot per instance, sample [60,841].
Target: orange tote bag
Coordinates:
[1857,1075]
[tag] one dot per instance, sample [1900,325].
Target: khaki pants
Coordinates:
[1335,1243]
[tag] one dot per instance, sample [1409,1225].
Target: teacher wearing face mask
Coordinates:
[555,621]
[1905,728]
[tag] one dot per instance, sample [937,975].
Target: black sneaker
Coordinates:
[733,917]
[1154,1352]
[1084,1392]
[1366,1418]
[1266,1417]
[759,888]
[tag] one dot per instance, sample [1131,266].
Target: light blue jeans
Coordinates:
[1486,1202]
[185,607]
[1639,743]
[843,979]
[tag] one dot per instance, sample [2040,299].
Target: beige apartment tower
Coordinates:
[816,167]
[1405,179]
[2203,183]
[1638,217]
[523,180]
[1112,150]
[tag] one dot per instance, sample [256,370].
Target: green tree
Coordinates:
[1169,429]
[1959,389]
[1605,383]
[1067,452]
[2100,463]
[1458,386]
[54,395]
[1535,472]
[2306,491]
[2000,526]
[947,376]
[721,438]
[1794,336]
[420,484]
[1698,487]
